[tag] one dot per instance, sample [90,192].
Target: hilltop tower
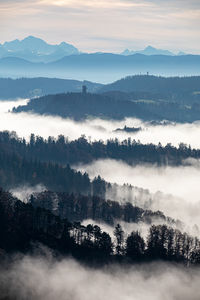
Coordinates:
[84,89]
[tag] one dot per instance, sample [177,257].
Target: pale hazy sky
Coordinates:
[108,25]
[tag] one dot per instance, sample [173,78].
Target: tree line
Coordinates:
[63,151]
[22,225]
[77,208]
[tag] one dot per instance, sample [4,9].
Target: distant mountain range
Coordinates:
[151,51]
[33,57]
[36,50]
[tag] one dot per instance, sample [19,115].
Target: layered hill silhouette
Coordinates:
[33,57]
[174,89]
[102,67]
[25,227]
[183,90]
[34,87]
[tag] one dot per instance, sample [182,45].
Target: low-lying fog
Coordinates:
[180,183]
[46,279]
[26,123]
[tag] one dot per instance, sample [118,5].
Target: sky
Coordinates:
[105,25]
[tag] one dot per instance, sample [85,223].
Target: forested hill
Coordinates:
[176,89]
[15,171]
[74,195]
[22,226]
[102,67]
[62,151]
[139,87]
[77,208]
[154,84]
[79,106]
[32,87]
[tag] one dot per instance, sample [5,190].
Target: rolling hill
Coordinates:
[102,67]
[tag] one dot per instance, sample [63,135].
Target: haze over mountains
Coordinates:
[33,57]
[36,50]
[103,68]
[149,50]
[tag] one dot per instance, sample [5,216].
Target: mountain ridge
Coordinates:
[36,49]
[102,68]
[149,50]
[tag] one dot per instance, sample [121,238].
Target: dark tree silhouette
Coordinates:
[135,246]
[119,236]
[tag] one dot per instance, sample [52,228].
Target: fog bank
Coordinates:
[26,123]
[46,279]
[173,190]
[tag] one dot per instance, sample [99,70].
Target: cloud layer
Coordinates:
[173,190]
[26,123]
[182,182]
[105,25]
[45,279]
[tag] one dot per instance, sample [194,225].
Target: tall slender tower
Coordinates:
[84,89]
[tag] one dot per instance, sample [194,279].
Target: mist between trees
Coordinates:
[44,278]
[23,224]
[55,153]
[26,123]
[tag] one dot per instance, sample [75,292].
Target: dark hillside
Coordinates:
[80,106]
[31,87]
[174,89]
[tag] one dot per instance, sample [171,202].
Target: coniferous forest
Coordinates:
[52,197]
[23,224]
[72,197]
[99,150]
